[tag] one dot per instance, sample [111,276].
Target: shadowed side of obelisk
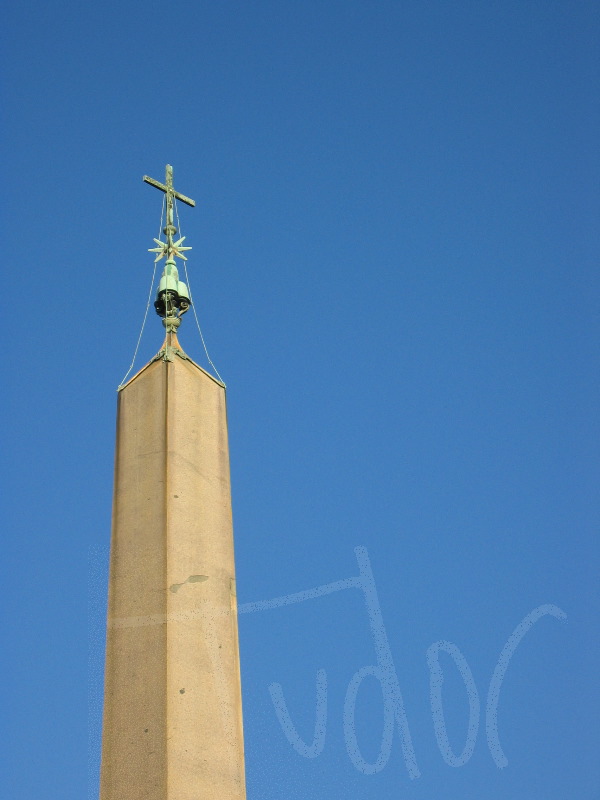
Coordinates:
[134,753]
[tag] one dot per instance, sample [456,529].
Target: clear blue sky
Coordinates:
[395,266]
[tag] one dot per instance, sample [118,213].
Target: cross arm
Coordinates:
[187,200]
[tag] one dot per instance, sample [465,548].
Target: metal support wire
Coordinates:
[137,347]
[187,280]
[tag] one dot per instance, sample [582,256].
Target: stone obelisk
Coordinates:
[172,726]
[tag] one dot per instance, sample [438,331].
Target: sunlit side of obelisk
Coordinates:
[172,726]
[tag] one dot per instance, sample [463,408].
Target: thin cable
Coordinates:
[187,280]
[162,211]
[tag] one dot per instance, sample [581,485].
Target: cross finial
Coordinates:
[172,299]
[169,248]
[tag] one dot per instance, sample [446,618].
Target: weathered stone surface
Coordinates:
[172,708]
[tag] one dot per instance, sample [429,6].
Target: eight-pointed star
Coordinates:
[164,249]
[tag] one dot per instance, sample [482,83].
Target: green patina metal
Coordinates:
[172,297]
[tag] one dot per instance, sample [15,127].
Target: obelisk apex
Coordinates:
[172,710]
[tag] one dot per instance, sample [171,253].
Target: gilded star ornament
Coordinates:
[165,249]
